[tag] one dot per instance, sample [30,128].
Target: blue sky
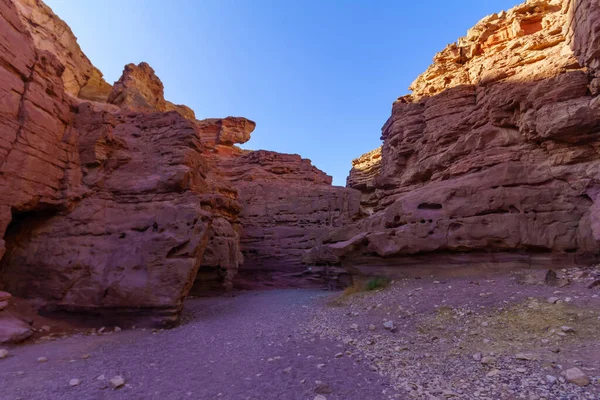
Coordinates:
[318,76]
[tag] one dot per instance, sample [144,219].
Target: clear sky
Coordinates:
[317,76]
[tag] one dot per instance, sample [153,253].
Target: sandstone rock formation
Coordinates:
[49,32]
[362,177]
[494,159]
[287,205]
[139,89]
[103,209]
[115,201]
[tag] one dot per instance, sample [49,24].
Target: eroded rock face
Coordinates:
[103,208]
[139,89]
[36,158]
[494,159]
[362,177]
[287,206]
[49,32]
[135,240]
[121,207]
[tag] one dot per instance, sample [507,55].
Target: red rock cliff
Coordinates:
[494,159]
[115,201]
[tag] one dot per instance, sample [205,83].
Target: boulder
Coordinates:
[13,330]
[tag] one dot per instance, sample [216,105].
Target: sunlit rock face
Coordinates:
[116,202]
[362,177]
[493,160]
[49,32]
[105,207]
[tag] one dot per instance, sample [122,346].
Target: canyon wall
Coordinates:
[287,206]
[117,202]
[493,161]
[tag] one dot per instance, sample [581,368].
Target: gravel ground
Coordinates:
[505,337]
[246,347]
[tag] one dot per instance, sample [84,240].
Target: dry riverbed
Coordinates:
[502,337]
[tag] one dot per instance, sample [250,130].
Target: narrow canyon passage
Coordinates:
[227,348]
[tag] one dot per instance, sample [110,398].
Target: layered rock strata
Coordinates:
[115,201]
[106,208]
[287,206]
[494,159]
[49,32]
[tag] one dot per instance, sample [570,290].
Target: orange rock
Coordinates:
[50,33]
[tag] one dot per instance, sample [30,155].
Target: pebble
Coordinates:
[320,366]
[521,370]
[117,329]
[577,376]
[388,324]
[3,353]
[372,327]
[493,373]
[101,378]
[553,300]
[524,356]
[354,326]
[320,397]
[477,356]
[487,360]
[287,370]
[117,382]
[551,379]
[74,382]
[42,359]
[567,329]
[339,355]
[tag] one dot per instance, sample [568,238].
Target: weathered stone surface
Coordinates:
[52,34]
[583,33]
[362,177]
[494,159]
[102,208]
[287,205]
[34,115]
[139,89]
[226,131]
[13,330]
[136,239]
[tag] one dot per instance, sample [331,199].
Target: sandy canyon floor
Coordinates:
[501,337]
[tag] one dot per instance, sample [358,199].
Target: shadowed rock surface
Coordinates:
[493,160]
[121,205]
[287,206]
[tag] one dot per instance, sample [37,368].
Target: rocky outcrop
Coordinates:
[494,159]
[36,159]
[135,240]
[123,205]
[362,177]
[49,32]
[139,89]
[104,209]
[287,206]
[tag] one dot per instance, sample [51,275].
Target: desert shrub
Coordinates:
[377,283]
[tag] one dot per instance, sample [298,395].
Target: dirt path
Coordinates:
[505,337]
[229,348]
